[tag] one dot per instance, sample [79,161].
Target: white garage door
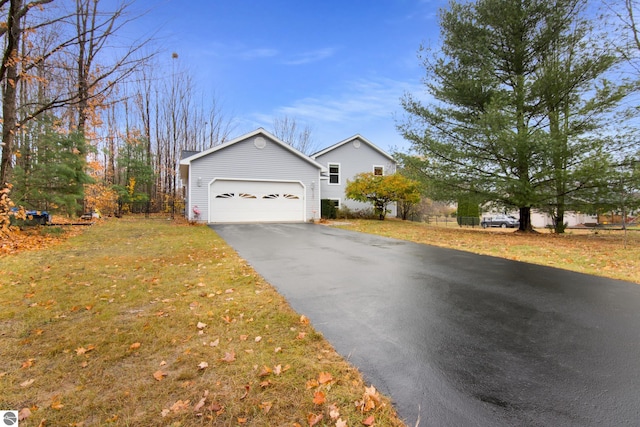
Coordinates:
[256,201]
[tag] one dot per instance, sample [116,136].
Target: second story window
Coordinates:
[378,170]
[334,173]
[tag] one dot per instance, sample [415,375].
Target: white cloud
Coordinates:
[362,99]
[311,56]
[364,106]
[257,53]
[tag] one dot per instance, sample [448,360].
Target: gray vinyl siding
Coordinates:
[243,160]
[352,161]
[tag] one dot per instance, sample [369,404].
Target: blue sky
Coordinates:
[338,66]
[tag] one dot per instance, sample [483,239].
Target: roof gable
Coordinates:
[348,140]
[187,160]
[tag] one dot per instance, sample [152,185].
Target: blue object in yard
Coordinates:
[39,217]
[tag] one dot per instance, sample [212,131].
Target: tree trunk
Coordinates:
[9,89]
[525,219]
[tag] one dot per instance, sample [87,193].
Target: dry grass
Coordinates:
[607,253]
[144,322]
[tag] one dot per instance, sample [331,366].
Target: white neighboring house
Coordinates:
[259,178]
[542,220]
[346,159]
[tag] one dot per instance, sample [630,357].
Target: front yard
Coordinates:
[146,322]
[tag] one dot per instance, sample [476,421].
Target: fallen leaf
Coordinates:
[304,320]
[313,419]
[369,421]
[203,365]
[334,412]
[265,371]
[277,350]
[277,369]
[301,335]
[27,383]
[28,363]
[341,423]
[312,384]
[242,420]
[319,398]
[244,337]
[265,406]
[56,404]
[246,392]
[135,346]
[214,343]
[24,414]
[258,339]
[201,325]
[180,406]
[215,407]
[200,404]
[81,351]
[265,384]
[159,375]
[324,377]
[229,357]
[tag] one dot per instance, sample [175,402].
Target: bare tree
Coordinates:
[91,30]
[286,128]
[9,75]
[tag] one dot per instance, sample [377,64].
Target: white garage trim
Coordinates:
[256,200]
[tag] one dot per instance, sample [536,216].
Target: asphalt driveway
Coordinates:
[457,339]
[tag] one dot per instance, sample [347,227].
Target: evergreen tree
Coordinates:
[54,177]
[519,89]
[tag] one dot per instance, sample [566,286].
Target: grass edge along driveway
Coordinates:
[147,322]
[605,253]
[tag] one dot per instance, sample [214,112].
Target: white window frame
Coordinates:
[336,200]
[378,166]
[339,170]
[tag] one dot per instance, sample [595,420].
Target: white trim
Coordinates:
[339,173]
[218,178]
[378,166]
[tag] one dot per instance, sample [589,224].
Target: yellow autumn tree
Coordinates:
[380,191]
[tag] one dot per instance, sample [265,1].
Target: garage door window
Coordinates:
[225,196]
[291,196]
[247,196]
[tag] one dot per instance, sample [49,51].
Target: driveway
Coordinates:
[457,339]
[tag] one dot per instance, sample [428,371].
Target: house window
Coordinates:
[336,203]
[378,170]
[334,173]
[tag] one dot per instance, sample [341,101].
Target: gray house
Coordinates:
[258,178]
[346,159]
